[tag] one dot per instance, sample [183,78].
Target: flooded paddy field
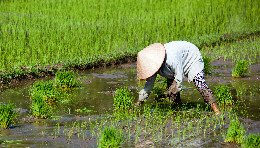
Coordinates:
[40,38]
[87,109]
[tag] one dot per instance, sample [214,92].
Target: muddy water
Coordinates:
[96,95]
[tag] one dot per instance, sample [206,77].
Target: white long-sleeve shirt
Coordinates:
[182,59]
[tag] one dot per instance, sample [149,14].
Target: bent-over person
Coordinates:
[174,61]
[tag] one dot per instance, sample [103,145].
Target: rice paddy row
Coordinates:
[35,34]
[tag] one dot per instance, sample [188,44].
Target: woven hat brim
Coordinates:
[149,60]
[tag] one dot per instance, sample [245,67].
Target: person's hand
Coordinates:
[142,95]
[139,103]
[173,89]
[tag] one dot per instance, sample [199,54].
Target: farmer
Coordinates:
[173,60]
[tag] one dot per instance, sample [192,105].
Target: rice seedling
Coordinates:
[223,95]
[65,80]
[110,137]
[207,66]
[236,132]
[123,99]
[7,115]
[43,96]
[84,110]
[251,141]
[10,142]
[240,69]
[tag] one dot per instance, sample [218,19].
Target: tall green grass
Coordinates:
[247,49]
[84,32]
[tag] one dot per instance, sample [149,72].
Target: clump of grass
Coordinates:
[43,96]
[223,95]
[7,114]
[65,80]
[207,65]
[123,99]
[110,138]
[236,132]
[240,69]
[251,141]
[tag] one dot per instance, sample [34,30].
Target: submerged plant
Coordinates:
[236,132]
[7,114]
[123,99]
[65,80]
[251,141]
[110,138]
[207,65]
[84,110]
[223,95]
[240,69]
[43,96]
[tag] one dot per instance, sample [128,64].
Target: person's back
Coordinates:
[184,55]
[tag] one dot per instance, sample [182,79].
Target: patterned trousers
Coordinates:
[201,85]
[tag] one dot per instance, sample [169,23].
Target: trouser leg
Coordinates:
[206,93]
[202,87]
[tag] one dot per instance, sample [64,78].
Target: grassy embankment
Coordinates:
[38,36]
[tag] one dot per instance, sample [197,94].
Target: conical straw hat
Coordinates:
[149,60]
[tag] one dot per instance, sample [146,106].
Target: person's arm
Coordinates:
[145,92]
[178,76]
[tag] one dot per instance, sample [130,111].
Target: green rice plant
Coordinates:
[236,132]
[71,35]
[7,114]
[44,97]
[65,80]
[223,95]
[160,88]
[123,99]
[110,137]
[251,141]
[240,69]
[207,66]
[246,49]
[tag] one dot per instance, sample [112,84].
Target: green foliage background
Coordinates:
[39,33]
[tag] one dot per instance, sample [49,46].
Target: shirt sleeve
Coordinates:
[145,92]
[179,76]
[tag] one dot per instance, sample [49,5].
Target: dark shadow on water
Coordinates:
[200,106]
